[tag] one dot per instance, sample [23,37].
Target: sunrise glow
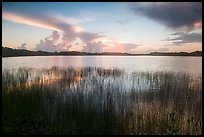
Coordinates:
[98,30]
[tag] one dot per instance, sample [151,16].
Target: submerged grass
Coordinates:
[100,101]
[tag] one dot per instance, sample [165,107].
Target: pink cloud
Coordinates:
[63,33]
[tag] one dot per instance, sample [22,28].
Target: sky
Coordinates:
[131,27]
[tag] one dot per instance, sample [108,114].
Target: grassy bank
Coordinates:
[100,101]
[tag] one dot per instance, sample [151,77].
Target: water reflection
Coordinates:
[129,63]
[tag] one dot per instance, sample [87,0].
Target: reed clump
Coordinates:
[100,101]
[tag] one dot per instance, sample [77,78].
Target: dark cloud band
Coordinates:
[181,37]
[175,15]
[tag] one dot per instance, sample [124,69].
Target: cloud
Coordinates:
[181,37]
[93,47]
[120,22]
[176,15]
[68,31]
[125,21]
[129,46]
[50,43]
[121,47]
[23,46]
[87,37]
[64,34]
[33,20]
[162,49]
[115,47]
[55,36]
[72,20]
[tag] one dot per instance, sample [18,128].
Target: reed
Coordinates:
[100,101]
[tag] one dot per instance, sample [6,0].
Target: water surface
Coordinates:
[129,63]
